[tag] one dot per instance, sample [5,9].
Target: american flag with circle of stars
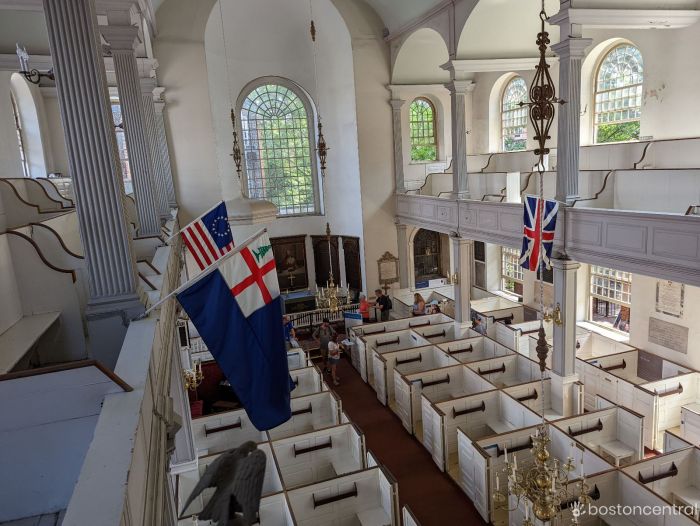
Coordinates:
[209,236]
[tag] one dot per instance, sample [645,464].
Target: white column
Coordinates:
[459,91]
[160,191]
[165,152]
[86,115]
[122,40]
[341,262]
[571,53]
[402,240]
[564,352]
[463,254]
[396,105]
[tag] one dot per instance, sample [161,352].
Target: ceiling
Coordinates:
[397,13]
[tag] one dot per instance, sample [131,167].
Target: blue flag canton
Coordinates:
[216,222]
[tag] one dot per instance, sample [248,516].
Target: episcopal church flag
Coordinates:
[209,236]
[237,310]
[534,217]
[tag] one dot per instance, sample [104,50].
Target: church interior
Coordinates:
[492,206]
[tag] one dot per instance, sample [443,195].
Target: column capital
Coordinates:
[565,264]
[121,38]
[461,87]
[147,86]
[572,47]
[397,104]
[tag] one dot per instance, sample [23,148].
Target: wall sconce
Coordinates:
[193,377]
[32,75]
[453,279]
[554,316]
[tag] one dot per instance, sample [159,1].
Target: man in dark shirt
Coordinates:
[384,303]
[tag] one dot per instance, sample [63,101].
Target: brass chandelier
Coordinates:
[543,487]
[331,297]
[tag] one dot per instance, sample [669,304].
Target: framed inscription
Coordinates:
[669,335]
[388,268]
[669,298]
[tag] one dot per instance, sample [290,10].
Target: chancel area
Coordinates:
[349,262]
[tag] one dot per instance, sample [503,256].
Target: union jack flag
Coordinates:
[533,218]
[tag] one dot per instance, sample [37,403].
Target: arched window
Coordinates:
[118,120]
[422,125]
[20,138]
[618,95]
[427,255]
[278,142]
[514,116]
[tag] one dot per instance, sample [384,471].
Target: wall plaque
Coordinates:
[388,268]
[669,298]
[668,335]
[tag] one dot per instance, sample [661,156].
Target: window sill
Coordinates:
[419,163]
[508,295]
[608,332]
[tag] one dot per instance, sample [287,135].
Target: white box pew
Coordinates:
[673,442]
[405,362]
[447,332]
[615,434]
[531,396]
[53,192]
[47,423]
[308,380]
[309,413]
[478,415]
[516,336]
[19,208]
[186,482]
[437,385]
[506,371]
[222,431]
[383,343]
[297,359]
[66,226]
[319,455]
[475,349]
[274,511]
[36,328]
[400,324]
[596,345]
[33,191]
[408,518]
[690,423]
[674,476]
[367,498]
[495,310]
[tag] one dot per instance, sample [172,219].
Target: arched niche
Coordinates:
[30,106]
[430,254]
[419,59]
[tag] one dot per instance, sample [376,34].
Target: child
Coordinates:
[333,359]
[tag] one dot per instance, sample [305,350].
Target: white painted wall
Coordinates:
[55,135]
[10,164]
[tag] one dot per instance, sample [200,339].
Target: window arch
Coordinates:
[422,124]
[514,116]
[278,142]
[618,95]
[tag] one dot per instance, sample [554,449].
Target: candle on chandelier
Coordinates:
[498,486]
[505,450]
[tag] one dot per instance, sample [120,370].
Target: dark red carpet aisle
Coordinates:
[432,496]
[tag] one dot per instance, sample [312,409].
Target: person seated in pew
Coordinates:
[418,305]
[334,359]
[478,326]
[290,333]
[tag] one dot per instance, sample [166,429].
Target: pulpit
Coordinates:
[299,301]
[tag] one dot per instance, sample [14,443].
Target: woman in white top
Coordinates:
[333,359]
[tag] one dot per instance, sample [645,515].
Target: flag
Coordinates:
[533,220]
[237,310]
[209,236]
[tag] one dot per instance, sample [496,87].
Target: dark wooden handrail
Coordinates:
[367,333]
[414,325]
[532,396]
[147,281]
[309,409]
[609,368]
[41,255]
[309,449]
[481,407]
[677,390]
[418,358]
[150,265]
[596,427]
[211,430]
[335,498]
[505,319]
[445,380]
[670,473]
[437,334]
[594,494]
[49,369]
[515,449]
[501,369]
[459,351]
[388,342]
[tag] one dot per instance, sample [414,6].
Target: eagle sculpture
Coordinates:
[238,478]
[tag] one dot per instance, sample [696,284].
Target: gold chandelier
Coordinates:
[331,297]
[192,378]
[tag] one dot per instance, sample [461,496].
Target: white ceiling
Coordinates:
[397,13]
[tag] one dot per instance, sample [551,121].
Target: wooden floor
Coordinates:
[432,496]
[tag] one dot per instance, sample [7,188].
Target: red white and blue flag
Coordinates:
[539,218]
[237,310]
[209,236]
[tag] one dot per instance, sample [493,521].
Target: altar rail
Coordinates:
[312,318]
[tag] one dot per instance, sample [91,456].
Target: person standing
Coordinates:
[334,359]
[324,333]
[364,308]
[290,333]
[384,303]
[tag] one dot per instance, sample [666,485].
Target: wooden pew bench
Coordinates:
[17,341]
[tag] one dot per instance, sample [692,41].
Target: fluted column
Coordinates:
[463,255]
[165,153]
[157,172]
[571,52]
[402,240]
[459,91]
[396,105]
[122,40]
[86,116]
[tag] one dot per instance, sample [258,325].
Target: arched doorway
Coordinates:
[428,259]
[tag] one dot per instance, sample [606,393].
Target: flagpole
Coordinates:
[188,224]
[205,273]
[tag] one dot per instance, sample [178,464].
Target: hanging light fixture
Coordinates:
[321,145]
[237,157]
[543,487]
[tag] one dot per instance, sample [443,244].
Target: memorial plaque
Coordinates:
[669,298]
[388,268]
[668,335]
